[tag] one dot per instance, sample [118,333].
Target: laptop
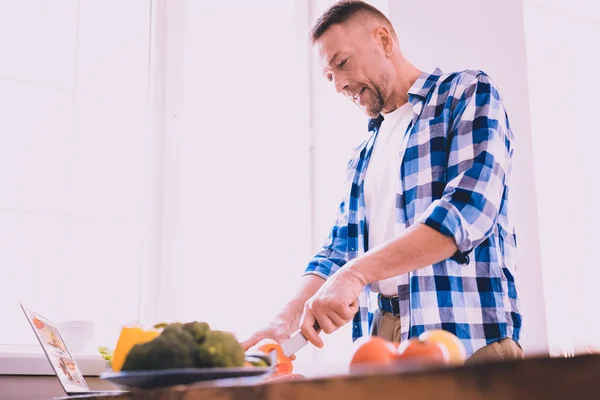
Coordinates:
[58,355]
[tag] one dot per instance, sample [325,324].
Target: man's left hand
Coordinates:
[333,306]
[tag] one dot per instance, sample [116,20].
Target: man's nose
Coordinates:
[341,84]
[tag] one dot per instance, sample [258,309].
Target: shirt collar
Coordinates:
[421,88]
[424,83]
[374,123]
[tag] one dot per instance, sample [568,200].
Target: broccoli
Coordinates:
[198,330]
[188,345]
[107,354]
[220,349]
[173,348]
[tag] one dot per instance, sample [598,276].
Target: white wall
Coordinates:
[74,156]
[562,47]
[489,36]
[236,207]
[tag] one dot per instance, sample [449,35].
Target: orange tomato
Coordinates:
[422,351]
[456,350]
[284,364]
[373,350]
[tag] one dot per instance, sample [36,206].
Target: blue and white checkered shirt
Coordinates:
[454,177]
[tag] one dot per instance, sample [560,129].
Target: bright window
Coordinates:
[74,174]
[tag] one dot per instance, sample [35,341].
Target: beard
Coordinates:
[376,105]
[378,94]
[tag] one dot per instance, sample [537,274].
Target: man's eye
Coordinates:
[342,63]
[329,78]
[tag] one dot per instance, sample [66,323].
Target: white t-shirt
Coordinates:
[381,185]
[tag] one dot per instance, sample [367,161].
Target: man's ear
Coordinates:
[385,39]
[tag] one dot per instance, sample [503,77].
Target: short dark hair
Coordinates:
[343,11]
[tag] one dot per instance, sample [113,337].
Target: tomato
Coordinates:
[456,350]
[373,350]
[422,351]
[284,364]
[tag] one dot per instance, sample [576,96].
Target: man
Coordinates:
[424,222]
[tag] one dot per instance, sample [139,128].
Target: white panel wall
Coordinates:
[73,160]
[236,219]
[489,36]
[562,47]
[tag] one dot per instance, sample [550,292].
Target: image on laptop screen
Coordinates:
[59,356]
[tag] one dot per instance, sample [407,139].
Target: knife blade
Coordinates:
[296,342]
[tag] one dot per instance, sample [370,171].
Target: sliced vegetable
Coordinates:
[129,337]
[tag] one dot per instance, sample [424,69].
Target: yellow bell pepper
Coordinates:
[129,337]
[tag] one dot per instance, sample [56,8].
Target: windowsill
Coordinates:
[31,360]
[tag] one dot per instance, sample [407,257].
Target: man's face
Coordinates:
[352,59]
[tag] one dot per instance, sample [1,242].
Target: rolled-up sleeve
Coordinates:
[333,255]
[343,235]
[479,158]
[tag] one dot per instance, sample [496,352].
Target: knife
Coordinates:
[296,342]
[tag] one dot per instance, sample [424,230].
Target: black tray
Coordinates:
[184,376]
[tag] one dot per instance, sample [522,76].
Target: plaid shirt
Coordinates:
[454,177]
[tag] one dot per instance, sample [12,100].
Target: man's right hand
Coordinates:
[280,328]
[288,320]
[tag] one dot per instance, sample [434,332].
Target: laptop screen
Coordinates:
[60,358]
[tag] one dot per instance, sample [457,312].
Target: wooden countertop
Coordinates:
[534,378]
